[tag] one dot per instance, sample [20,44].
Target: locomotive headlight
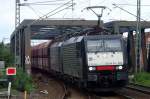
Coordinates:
[119,67]
[92,68]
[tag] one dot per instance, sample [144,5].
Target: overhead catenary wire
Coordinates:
[46,1]
[56,8]
[132,5]
[60,11]
[34,11]
[53,2]
[128,12]
[101,2]
[45,16]
[27,4]
[41,3]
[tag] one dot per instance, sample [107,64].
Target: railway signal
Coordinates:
[11,71]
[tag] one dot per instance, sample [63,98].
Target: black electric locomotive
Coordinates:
[96,62]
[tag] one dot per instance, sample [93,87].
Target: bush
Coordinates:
[22,81]
[142,78]
[6,55]
[3,76]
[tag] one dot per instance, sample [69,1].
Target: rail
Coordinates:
[140,88]
[65,91]
[125,96]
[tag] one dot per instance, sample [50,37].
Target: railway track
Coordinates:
[132,91]
[84,94]
[139,91]
[65,91]
[140,88]
[135,91]
[58,90]
[125,96]
[114,96]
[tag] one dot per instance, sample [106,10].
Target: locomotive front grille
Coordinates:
[106,80]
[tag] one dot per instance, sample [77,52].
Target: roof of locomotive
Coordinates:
[90,37]
[73,40]
[103,37]
[56,44]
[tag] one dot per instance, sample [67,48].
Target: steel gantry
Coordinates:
[17,13]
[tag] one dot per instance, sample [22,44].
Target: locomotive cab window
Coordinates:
[104,45]
[112,45]
[94,45]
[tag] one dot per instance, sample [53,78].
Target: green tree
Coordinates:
[5,54]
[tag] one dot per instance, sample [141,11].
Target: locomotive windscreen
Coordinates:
[104,52]
[104,45]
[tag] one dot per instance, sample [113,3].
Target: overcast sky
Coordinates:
[7,10]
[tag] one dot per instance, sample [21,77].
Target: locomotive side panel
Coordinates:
[72,59]
[71,62]
[55,57]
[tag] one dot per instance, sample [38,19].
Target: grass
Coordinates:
[142,78]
